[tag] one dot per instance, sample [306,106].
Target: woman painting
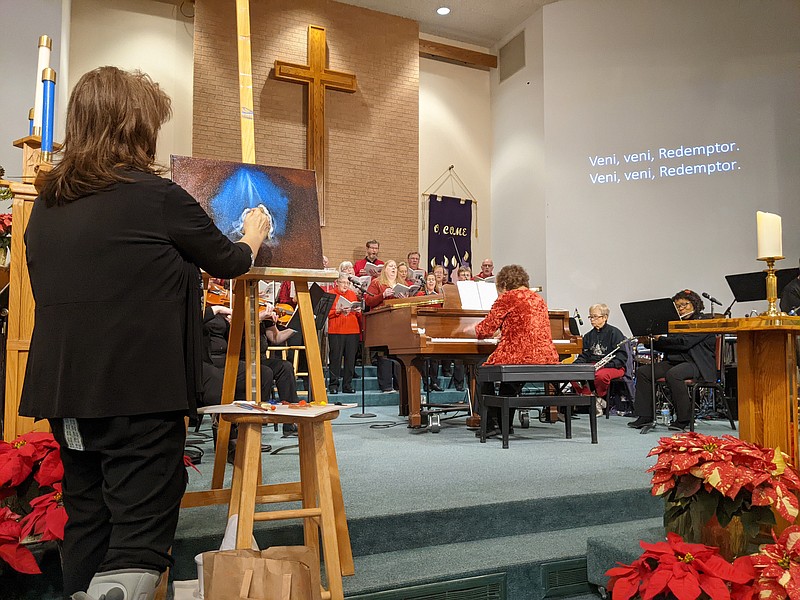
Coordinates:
[115,360]
[521,318]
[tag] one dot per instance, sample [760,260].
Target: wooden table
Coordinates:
[767,375]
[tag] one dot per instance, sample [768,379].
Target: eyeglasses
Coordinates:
[597,316]
[680,305]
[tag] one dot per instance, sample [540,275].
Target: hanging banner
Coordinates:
[449,232]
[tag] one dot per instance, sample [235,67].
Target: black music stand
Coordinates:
[751,287]
[647,319]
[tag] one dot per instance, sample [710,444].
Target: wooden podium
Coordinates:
[20,297]
[767,376]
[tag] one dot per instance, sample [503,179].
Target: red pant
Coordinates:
[602,379]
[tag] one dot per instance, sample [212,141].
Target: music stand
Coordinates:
[751,287]
[647,319]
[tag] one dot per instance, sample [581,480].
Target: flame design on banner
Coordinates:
[449,232]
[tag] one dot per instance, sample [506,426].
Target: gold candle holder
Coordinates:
[772,287]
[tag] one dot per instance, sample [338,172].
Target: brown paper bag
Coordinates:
[279,573]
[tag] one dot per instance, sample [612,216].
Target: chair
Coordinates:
[625,385]
[717,387]
[284,351]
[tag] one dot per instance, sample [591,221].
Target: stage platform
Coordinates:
[424,508]
[444,514]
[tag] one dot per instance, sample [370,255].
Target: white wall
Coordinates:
[455,129]
[630,75]
[518,162]
[151,36]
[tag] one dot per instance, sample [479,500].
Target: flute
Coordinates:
[603,361]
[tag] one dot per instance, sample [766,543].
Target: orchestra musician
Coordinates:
[113,252]
[598,342]
[687,356]
[382,288]
[521,317]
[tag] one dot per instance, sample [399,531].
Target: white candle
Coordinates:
[45,44]
[770,238]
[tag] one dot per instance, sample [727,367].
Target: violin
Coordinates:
[218,295]
[284,312]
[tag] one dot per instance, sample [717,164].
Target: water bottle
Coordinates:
[665,414]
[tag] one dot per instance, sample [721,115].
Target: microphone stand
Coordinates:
[363,414]
[727,313]
[648,428]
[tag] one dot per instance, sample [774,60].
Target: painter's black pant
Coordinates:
[122,494]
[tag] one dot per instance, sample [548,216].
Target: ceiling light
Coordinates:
[443,10]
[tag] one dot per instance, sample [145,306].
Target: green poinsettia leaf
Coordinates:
[701,511]
[688,485]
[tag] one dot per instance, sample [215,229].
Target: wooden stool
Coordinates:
[317,510]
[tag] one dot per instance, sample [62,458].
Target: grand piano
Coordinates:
[413,329]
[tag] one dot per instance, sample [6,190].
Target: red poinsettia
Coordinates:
[700,476]
[680,569]
[777,567]
[17,556]
[5,224]
[48,516]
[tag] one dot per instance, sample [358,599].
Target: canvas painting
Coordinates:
[227,190]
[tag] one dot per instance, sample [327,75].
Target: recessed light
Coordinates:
[443,10]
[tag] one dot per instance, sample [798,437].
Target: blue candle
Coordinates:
[30,122]
[48,111]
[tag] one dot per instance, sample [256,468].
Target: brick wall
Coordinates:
[372,175]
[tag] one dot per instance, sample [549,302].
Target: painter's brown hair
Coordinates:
[113,118]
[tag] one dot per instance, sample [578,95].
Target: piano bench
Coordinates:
[505,403]
[536,374]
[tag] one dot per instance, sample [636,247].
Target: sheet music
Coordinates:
[477,295]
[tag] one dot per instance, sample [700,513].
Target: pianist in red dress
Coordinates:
[521,317]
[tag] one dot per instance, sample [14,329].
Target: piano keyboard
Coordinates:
[492,341]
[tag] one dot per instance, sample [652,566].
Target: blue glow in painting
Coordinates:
[248,188]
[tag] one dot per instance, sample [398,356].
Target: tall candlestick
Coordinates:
[770,238]
[48,112]
[45,45]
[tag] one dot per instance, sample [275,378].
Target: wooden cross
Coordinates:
[318,78]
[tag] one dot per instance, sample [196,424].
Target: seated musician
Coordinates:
[379,290]
[602,342]
[344,331]
[274,370]
[687,356]
[520,316]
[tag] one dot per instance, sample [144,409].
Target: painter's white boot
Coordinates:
[124,584]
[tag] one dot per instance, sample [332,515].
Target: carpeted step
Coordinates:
[520,557]
[619,544]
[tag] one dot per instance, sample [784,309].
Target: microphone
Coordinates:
[711,299]
[578,316]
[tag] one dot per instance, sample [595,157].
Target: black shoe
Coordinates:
[435,387]
[333,390]
[678,426]
[289,430]
[459,388]
[349,390]
[640,422]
